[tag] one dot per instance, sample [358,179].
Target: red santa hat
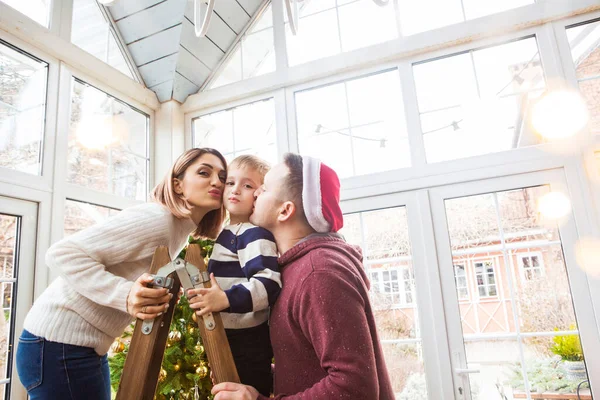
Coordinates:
[321,196]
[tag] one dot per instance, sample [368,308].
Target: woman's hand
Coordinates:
[147,303]
[207,300]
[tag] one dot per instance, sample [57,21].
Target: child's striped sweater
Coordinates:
[244,261]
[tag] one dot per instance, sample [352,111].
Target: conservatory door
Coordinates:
[517,305]
[18,222]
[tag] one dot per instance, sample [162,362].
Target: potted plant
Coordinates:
[568,347]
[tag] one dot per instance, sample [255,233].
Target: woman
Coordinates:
[103,280]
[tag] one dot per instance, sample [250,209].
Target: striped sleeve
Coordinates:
[257,254]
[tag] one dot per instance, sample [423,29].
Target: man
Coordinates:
[322,326]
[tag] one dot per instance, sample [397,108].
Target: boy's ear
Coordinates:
[177,186]
[286,211]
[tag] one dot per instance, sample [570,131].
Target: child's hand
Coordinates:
[208,300]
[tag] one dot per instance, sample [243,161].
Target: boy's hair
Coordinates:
[252,162]
[164,193]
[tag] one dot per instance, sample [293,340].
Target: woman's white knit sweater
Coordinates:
[87,304]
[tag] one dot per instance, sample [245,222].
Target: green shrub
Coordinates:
[568,347]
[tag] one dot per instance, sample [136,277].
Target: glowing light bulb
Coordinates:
[554,205]
[559,114]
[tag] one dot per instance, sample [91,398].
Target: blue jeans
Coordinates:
[51,370]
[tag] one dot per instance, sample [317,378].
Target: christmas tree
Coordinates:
[184,373]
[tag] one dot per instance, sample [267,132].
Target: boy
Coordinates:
[244,263]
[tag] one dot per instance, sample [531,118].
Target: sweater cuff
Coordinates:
[122,297]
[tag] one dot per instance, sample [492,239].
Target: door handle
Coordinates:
[475,370]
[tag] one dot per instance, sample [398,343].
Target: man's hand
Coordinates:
[234,391]
[208,300]
[147,303]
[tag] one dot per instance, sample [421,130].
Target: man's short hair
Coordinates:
[292,185]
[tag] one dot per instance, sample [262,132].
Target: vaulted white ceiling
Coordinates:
[159,35]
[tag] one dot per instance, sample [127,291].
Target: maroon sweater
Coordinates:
[322,326]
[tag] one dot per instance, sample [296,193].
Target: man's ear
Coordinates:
[177,186]
[286,211]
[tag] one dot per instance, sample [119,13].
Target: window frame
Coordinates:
[465,265]
[523,271]
[45,179]
[485,275]
[281,138]
[401,293]
[63,190]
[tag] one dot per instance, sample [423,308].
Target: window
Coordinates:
[383,237]
[37,10]
[532,266]
[417,16]
[253,56]
[108,144]
[79,215]
[247,129]
[23,85]
[460,277]
[361,118]
[476,102]
[486,279]
[329,27]
[396,285]
[585,50]
[91,31]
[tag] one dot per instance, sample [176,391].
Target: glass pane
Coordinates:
[37,10]
[90,31]
[362,118]
[504,229]
[589,90]
[254,56]
[519,215]
[107,144]
[232,72]
[9,233]
[585,51]
[483,108]
[318,38]
[363,23]
[79,215]
[479,8]
[417,16]
[258,53]
[247,129]
[383,237]
[23,82]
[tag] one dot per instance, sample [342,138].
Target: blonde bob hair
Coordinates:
[164,193]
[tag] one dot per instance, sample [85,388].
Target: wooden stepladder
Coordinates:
[147,347]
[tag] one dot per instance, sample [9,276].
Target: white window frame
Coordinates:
[56,42]
[401,293]
[395,180]
[281,140]
[486,285]
[63,190]
[465,266]
[43,181]
[522,270]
